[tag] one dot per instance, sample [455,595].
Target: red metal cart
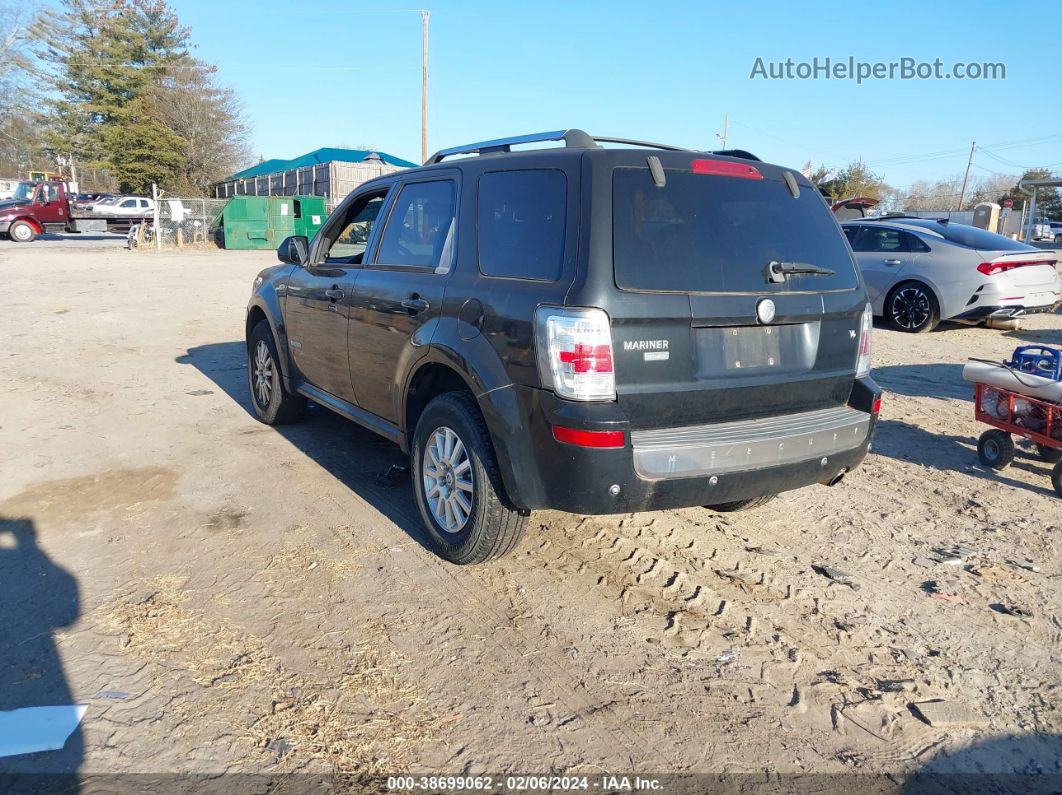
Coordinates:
[1013,413]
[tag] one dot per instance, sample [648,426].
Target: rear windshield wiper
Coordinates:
[777,271]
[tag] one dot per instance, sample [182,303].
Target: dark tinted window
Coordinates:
[879,239]
[703,233]
[971,236]
[420,227]
[521,223]
[914,243]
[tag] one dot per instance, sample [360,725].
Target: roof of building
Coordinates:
[318,157]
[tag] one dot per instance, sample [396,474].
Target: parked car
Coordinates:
[1040,229]
[85,201]
[126,206]
[594,330]
[1056,231]
[919,271]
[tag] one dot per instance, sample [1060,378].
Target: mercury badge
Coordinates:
[765,310]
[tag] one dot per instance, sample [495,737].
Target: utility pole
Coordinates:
[726,127]
[424,87]
[966,176]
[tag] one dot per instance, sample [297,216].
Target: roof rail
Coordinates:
[572,138]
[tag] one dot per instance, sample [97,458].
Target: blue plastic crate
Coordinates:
[1037,360]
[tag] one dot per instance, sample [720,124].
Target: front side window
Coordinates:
[420,229]
[521,223]
[349,245]
[879,240]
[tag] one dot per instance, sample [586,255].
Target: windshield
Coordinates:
[702,233]
[24,191]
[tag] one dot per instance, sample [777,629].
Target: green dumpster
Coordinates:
[255,222]
[309,215]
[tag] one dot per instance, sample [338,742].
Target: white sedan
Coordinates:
[125,207]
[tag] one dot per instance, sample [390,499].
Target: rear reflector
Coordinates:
[877,405]
[588,438]
[724,168]
[992,268]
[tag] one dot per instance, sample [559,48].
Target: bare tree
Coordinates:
[209,119]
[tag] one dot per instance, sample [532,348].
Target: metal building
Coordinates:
[328,172]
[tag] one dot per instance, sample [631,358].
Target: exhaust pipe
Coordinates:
[837,478]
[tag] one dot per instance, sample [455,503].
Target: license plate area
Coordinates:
[756,350]
[752,347]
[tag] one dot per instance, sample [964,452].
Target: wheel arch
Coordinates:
[29,219]
[924,282]
[490,386]
[265,305]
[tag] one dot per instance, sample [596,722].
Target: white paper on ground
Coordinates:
[32,729]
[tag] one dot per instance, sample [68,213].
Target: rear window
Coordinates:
[521,223]
[972,237]
[703,233]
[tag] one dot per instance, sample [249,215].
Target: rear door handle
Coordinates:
[892,262]
[415,305]
[334,294]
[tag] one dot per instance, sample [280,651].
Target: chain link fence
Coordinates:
[181,223]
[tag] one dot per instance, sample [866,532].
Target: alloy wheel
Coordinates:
[911,308]
[263,374]
[446,470]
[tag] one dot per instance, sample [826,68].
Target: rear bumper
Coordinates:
[1003,311]
[673,468]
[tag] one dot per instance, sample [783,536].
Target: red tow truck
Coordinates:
[38,207]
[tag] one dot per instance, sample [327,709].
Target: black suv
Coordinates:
[589,329]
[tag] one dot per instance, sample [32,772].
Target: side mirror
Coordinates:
[295,250]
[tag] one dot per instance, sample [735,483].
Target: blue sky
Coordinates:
[314,73]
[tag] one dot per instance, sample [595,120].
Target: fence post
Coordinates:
[155,201]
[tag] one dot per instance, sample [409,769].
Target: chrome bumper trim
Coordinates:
[747,444]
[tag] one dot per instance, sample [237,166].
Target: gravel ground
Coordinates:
[229,597]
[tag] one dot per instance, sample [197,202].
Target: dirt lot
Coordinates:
[224,596]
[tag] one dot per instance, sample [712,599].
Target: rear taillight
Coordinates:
[725,168]
[992,268]
[574,349]
[588,438]
[863,356]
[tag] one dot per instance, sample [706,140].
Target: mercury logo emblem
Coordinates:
[765,310]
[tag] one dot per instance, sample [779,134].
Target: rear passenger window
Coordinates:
[521,223]
[420,228]
[913,243]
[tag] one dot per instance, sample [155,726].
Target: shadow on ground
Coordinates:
[936,380]
[906,442]
[1008,763]
[356,457]
[37,597]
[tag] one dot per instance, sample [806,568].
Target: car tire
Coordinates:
[1056,478]
[271,401]
[912,307]
[22,232]
[461,499]
[741,505]
[995,448]
[1051,455]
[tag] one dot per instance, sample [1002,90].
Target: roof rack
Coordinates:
[572,138]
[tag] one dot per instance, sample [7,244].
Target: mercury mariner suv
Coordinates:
[578,327]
